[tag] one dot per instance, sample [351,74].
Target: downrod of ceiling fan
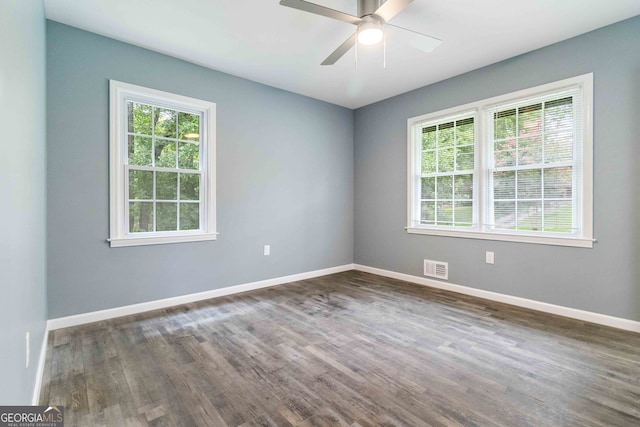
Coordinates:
[368,7]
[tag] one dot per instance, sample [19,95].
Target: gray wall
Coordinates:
[605,279]
[22,195]
[284,173]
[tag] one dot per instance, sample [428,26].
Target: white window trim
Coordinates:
[585,83]
[118,234]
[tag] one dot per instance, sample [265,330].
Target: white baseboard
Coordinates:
[96,316]
[40,371]
[588,316]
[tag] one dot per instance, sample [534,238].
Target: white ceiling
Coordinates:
[282,47]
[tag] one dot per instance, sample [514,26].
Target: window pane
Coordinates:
[463,187]
[463,213]
[428,188]
[165,123]
[558,183]
[530,216]
[429,138]
[558,216]
[139,151]
[446,135]
[444,212]
[166,185]
[189,126]
[165,152]
[428,162]
[167,216]
[558,115]
[140,217]
[445,160]
[530,120]
[428,212]
[140,185]
[189,186]
[504,185]
[445,187]
[558,147]
[464,132]
[464,158]
[530,184]
[530,151]
[189,216]
[504,124]
[140,118]
[505,153]
[504,215]
[189,156]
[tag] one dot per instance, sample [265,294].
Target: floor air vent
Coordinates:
[437,269]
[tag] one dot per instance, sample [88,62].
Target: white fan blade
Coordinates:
[391,8]
[341,50]
[418,40]
[321,10]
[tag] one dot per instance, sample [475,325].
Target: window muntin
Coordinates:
[533,167]
[447,172]
[162,155]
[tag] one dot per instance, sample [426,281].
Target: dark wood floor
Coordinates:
[350,349]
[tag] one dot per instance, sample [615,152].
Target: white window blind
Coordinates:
[534,164]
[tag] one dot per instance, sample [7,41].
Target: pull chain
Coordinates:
[384,49]
[357,34]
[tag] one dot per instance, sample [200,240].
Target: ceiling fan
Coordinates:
[373,17]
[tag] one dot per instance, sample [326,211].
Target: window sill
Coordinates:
[520,238]
[160,240]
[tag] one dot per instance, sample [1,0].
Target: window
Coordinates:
[162,157]
[516,167]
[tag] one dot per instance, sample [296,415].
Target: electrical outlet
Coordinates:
[267,250]
[490,258]
[28,349]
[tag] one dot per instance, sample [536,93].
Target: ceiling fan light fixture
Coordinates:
[370,33]
[372,18]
